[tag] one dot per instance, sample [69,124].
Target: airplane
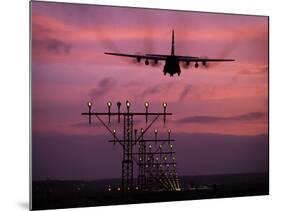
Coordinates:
[172,61]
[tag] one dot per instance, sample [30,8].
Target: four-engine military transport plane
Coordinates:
[172,65]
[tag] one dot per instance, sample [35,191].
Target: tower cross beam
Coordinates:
[125,113]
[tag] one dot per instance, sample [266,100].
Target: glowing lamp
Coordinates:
[146,104]
[128,104]
[169,135]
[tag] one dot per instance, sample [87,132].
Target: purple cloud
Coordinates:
[52,45]
[217,119]
[103,87]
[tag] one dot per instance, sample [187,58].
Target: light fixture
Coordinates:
[109,104]
[118,107]
[169,135]
[90,104]
[142,132]
[146,104]
[114,136]
[128,104]
[164,106]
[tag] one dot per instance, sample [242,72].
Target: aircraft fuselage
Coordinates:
[172,66]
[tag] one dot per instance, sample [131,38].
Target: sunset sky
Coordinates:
[220,113]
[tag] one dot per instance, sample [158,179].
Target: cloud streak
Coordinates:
[185,92]
[52,45]
[102,88]
[156,89]
[252,116]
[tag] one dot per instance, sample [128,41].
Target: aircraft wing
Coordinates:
[198,59]
[179,57]
[139,56]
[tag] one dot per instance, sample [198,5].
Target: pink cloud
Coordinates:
[70,49]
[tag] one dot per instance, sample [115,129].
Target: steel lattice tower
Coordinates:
[127,163]
[155,171]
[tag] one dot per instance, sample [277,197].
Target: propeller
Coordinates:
[185,64]
[204,64]
[155,63]
[135,61]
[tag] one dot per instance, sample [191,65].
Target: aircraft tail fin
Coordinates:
[173,44]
